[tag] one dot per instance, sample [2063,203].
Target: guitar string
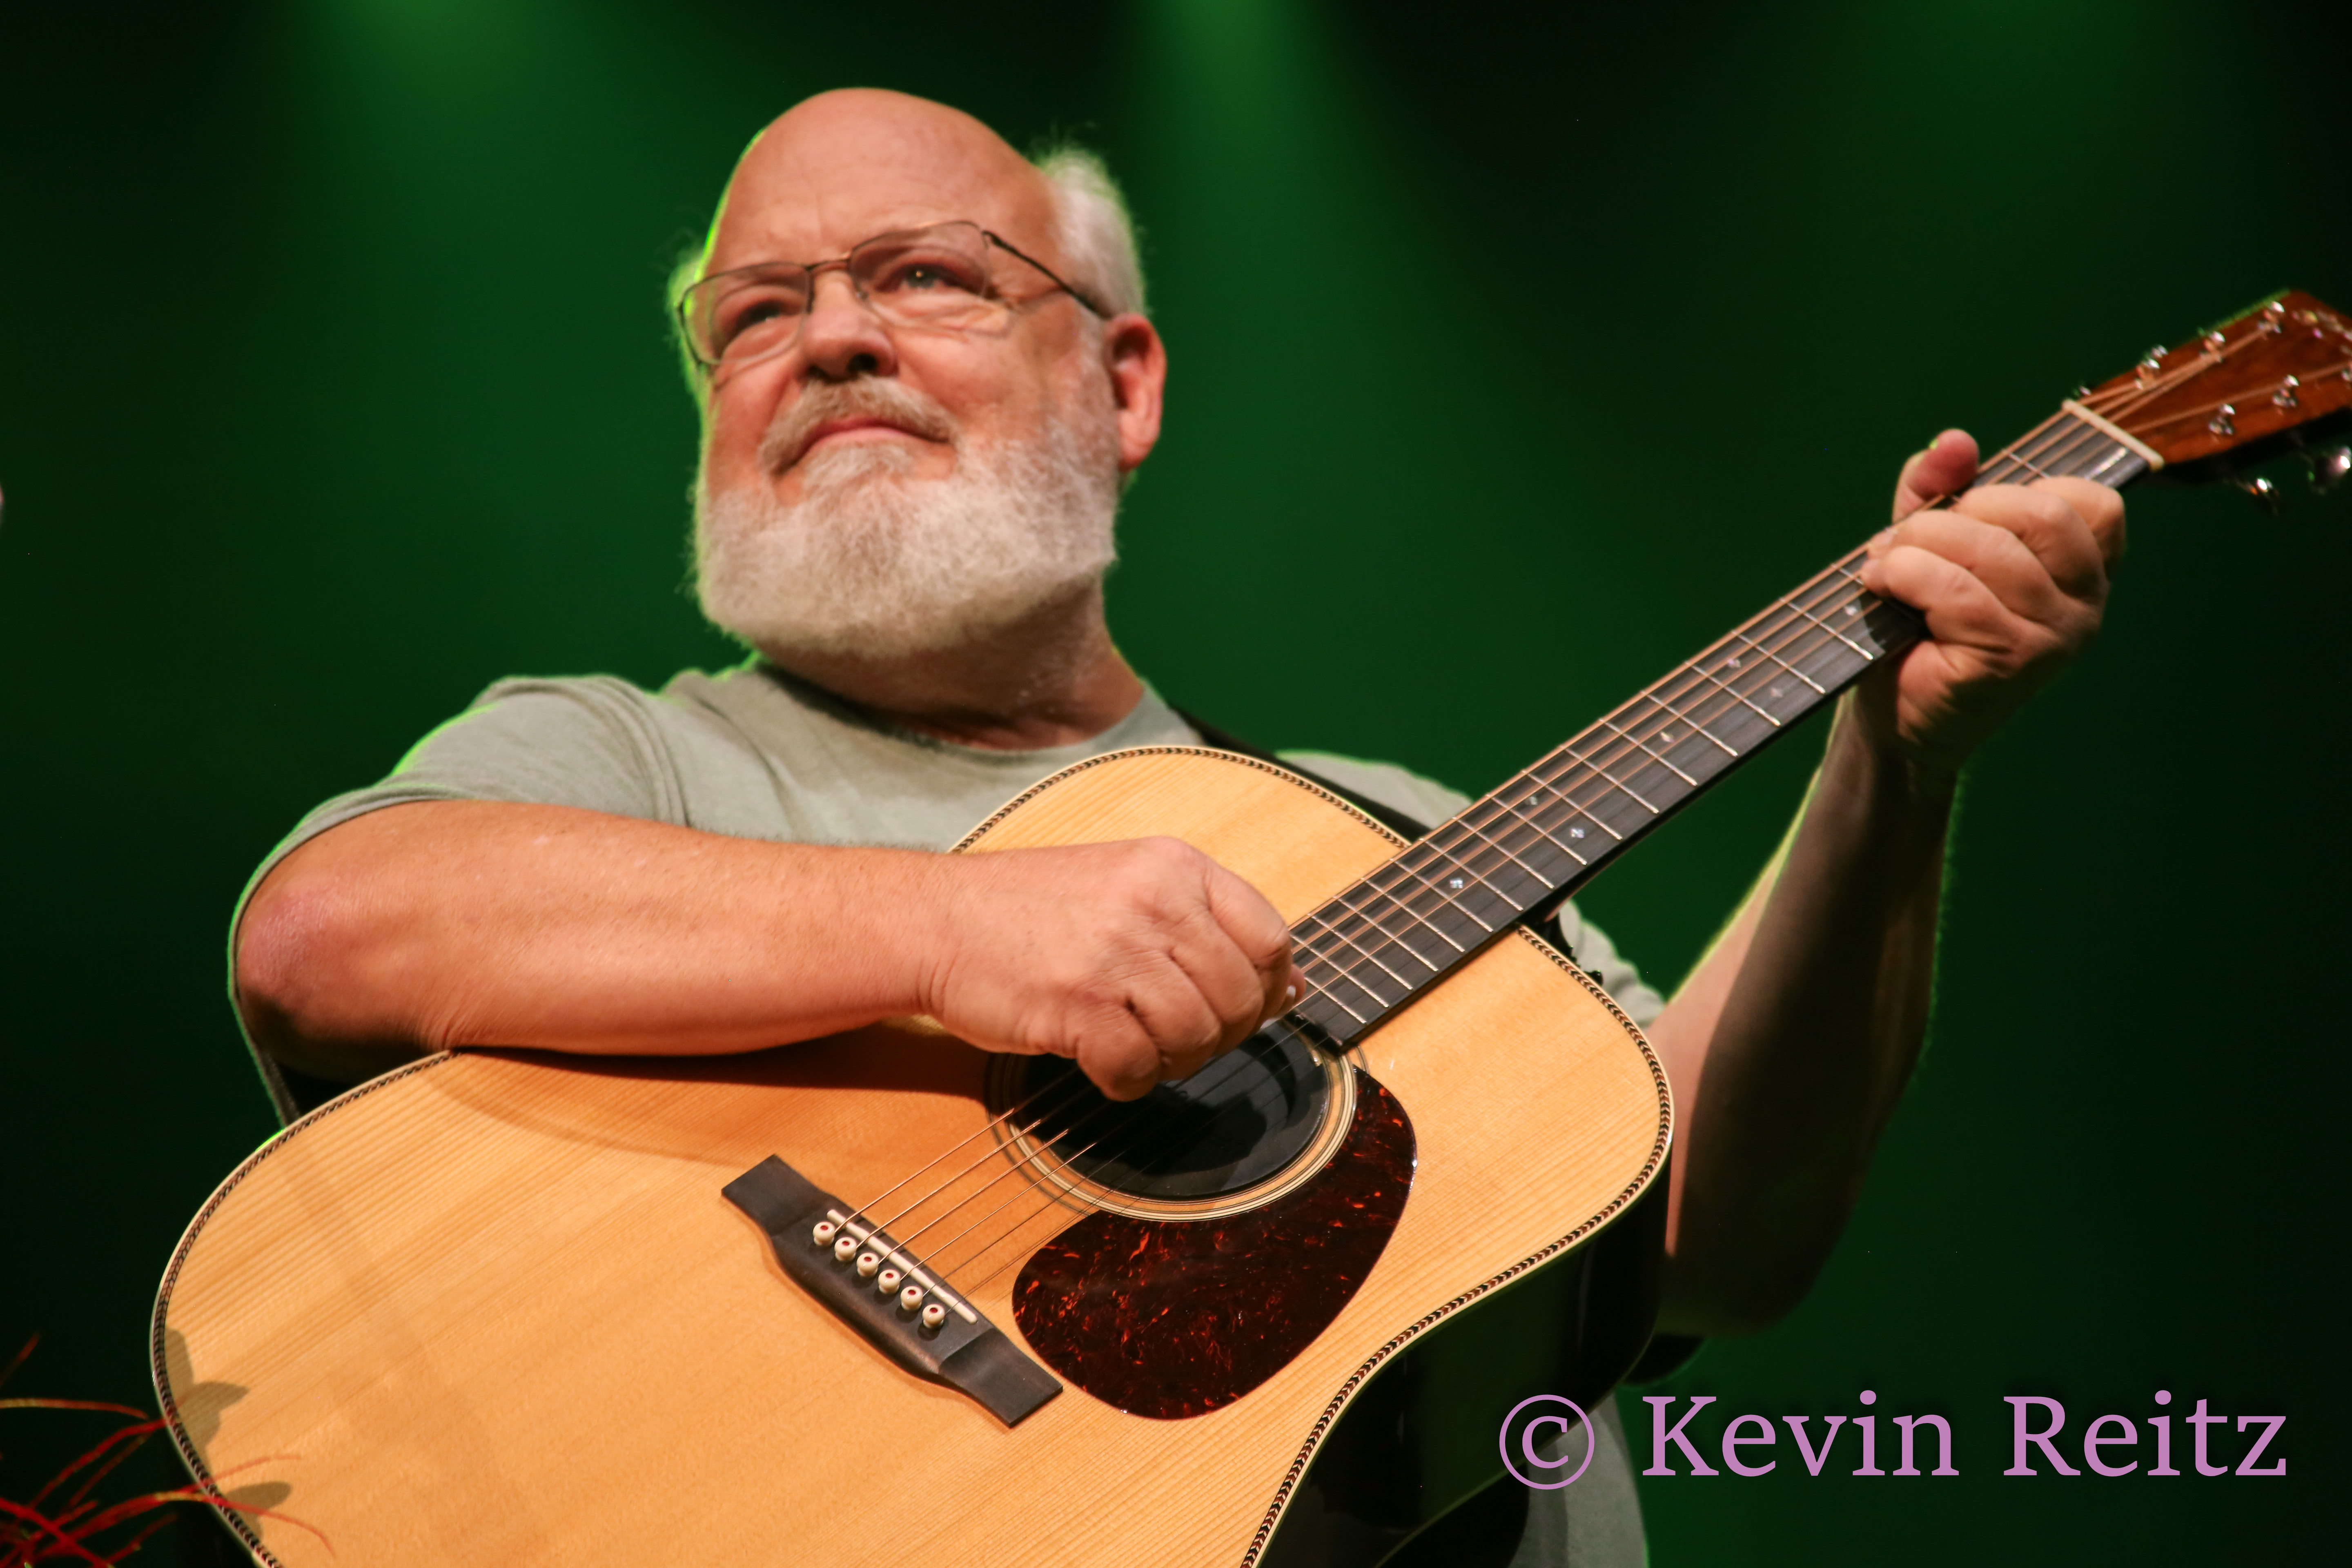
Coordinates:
[1672,696]
[1788,616]
[1840,575]
[865,1209]
[2058,455]
[941,1187]
[939,1264]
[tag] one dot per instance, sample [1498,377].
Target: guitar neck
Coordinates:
[1518,852]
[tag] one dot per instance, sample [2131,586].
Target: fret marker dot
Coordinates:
[1576,832]
[1733,661]
[1666,734]
[1454,882]
[1853,609]
[1776,691]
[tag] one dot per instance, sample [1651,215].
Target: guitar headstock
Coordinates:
[2277,377]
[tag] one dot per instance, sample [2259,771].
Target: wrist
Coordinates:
[1879,768]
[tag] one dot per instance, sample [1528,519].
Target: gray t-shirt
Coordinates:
[753,752]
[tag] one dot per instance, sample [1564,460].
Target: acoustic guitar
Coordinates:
[885,1299]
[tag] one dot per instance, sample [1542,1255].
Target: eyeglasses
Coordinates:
[945,277]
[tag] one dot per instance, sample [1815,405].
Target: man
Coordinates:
[924,372]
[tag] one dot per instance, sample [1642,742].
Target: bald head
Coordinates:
[844,165]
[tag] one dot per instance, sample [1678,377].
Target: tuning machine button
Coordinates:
[2285,397]
[2225,421]
[2264,494]
[2328,466]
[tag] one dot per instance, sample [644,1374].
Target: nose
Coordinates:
[842,337]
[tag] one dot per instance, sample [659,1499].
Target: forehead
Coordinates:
[810,191]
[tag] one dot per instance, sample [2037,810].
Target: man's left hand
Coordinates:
[2011,579]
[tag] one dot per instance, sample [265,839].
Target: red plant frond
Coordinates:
[132,1436]
[139,1505]
[130,1410]
[25,1552]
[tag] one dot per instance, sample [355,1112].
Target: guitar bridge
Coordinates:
[870,1283]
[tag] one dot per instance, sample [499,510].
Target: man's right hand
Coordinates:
[1141,961]
[443,923]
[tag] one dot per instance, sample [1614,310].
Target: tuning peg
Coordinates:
[2265,494]
[2328,466]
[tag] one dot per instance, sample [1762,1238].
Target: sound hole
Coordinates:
[1233,1123]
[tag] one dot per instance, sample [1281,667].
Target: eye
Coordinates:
[932,273]
[753,316]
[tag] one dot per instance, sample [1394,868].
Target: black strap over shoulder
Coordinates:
[1386,817]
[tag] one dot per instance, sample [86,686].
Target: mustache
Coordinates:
[865,397]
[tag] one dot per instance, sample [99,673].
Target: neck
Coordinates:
[1052,679]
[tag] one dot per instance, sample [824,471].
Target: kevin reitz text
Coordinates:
[2040,1441]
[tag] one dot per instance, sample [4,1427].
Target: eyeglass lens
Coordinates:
[939,278]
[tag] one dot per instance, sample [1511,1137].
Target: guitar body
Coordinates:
[493,1309]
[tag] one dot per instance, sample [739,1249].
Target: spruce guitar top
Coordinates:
[883,1298]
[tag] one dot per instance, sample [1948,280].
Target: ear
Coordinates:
[1137,363]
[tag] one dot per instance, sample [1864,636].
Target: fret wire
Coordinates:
[1328,995]
[1793,631]
[1745,635]
[1541,881]
[1653,698]
[1552,787]
[1831,629]
[1389,937]
[1540,831]
[1818,689]
[1623,786]
[1435,845]
[1705,673]
[1644,745]
[2057,445]
[1445,898]
[1349,969]
[1410,913]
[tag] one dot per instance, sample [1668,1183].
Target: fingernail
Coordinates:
[1289,995]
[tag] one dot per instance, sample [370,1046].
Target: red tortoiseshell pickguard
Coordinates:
[1175,1318]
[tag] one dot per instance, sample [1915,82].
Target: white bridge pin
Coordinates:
[933,1316]
[846,1248]
[910,1297]
[887,1280]
[867,1262]
[825,1232]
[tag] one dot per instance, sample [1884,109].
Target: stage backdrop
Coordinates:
[1512,359]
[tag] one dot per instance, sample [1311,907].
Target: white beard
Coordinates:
[873,563]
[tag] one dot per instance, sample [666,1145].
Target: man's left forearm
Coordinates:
[1791,1043]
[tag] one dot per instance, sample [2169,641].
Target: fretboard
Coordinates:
[1516,854]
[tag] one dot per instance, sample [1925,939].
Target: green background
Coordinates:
[1514,357]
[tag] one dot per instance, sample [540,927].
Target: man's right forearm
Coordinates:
[448,923]
[473,922]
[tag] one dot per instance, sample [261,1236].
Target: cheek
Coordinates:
[735,420]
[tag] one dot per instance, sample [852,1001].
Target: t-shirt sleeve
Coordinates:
[1433,802]
[585,743]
